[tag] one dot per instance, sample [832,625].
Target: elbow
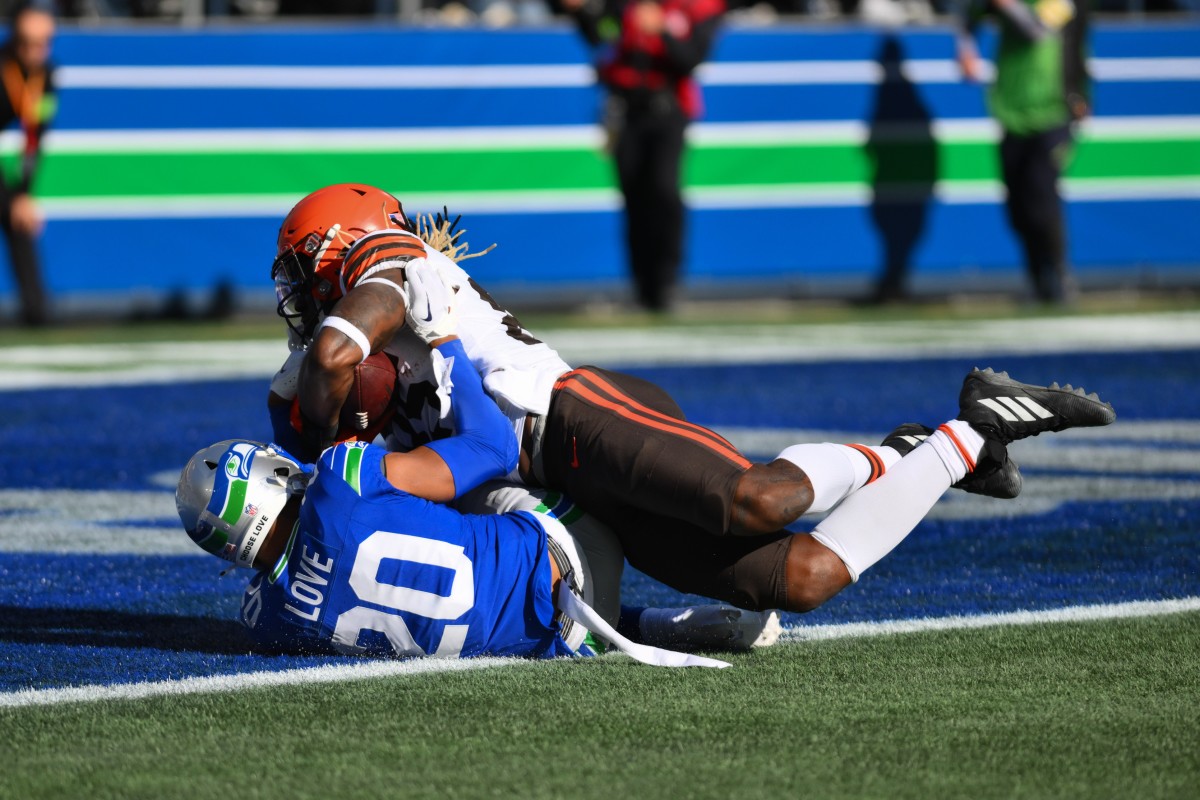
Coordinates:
[333,352]
[513,455]
[504,447]
[477,456]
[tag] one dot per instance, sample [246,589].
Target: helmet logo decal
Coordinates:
[237,461]
[229,492]
[251,510]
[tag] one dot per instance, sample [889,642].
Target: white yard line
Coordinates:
[360,670]
[1107,611]
[42,366]
[334,673]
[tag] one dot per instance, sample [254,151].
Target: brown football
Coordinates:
[372,398]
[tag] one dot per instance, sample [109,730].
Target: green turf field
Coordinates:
[1085,710]
[1105,709]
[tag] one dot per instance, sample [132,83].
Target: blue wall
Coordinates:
[963,241]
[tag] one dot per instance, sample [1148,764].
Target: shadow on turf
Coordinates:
[106,628]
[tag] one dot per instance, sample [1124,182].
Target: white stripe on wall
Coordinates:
[542,76]
[562,137]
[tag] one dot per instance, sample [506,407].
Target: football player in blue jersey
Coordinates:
[359,554]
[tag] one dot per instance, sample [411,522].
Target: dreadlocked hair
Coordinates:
[444,235]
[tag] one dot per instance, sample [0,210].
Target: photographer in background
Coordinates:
[28,99]
[651,50]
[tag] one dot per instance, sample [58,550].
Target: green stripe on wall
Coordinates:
[172,174]
[87,175]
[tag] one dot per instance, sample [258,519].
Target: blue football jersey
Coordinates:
[373,570]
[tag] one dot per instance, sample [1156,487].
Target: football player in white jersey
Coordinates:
[359,257]
[339,274]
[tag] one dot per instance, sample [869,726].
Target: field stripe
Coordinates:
[80,365]
[1107,611]
[335,673]
[380,669]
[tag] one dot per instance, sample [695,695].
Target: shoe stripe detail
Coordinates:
[1033,406]
[877,465]
[1004,413]
[1017,409]
[967,458]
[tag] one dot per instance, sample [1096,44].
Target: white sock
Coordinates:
[870,523]
[837,470]
[958,445]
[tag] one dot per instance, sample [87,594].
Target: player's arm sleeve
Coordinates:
[283,407]
[283,432]
[484,445]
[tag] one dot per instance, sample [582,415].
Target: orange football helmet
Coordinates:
[313,241]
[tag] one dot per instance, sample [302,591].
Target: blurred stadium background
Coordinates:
[185,131]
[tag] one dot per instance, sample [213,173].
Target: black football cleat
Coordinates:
[905,438]
[1005,410]
[995,474]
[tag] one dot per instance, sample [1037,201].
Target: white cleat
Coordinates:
[715,627]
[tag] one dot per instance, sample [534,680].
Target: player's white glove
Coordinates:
[431,308]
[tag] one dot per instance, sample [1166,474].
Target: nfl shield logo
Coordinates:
[251,510]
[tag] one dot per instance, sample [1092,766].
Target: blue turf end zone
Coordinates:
[73,619]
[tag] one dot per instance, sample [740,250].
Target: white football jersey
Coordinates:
[518,370]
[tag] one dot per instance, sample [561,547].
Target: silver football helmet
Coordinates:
[230,494]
